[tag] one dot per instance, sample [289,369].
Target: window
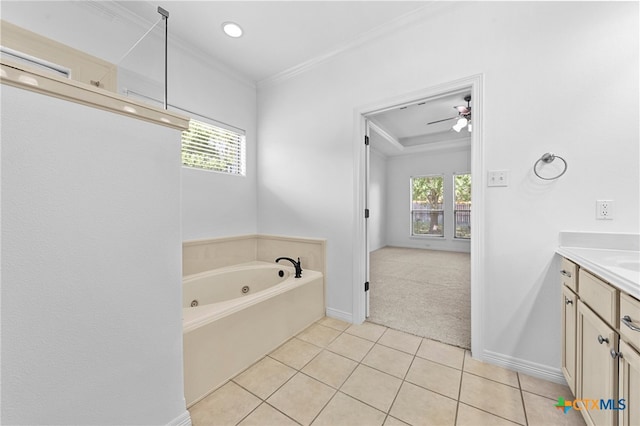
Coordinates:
[209,147]
[427,213]
[462,205]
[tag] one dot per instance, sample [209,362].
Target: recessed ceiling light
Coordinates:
[232,29]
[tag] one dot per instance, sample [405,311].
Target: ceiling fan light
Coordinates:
[469,128]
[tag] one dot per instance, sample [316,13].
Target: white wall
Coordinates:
[377,223]
[558,76]
[209,199]
[400,170]
[91,270]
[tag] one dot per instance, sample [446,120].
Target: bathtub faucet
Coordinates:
[295,265]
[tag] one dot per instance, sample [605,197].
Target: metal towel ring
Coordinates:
[548,158]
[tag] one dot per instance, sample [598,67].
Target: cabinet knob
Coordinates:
[615,354]
[568,301]
[565,273]
[602,340]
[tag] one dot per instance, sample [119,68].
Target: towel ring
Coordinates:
[548,158]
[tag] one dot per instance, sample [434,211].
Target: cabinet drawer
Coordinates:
[569,274]
[630,319]
[600,296]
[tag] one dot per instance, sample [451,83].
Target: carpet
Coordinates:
[422,292]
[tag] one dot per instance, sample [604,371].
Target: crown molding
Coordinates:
[115,9]
[401,22]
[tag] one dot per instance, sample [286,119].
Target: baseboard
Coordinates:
[183,419]
[534,369]
[341,315]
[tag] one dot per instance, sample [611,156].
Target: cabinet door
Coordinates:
[569,306]
[597,370]
[629,385]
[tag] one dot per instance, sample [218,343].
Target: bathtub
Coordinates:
[234,316]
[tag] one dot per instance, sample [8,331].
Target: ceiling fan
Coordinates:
[464,116]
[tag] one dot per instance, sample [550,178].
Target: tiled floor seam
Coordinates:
[455,420]
[524,407]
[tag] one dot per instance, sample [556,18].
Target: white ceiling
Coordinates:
[278,35]
[404,129]
[281,37]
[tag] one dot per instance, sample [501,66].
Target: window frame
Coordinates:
[456,210]
[412,210]
[199,145]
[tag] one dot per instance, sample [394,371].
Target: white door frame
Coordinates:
[478,173]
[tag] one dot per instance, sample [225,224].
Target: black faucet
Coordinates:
[295,265]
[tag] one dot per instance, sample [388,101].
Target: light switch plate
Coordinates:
[498,178]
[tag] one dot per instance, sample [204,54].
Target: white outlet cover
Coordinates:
[604,209]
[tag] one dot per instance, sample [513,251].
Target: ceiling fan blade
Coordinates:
[445,119]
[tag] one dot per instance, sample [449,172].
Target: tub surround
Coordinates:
[613,257]
[213,253]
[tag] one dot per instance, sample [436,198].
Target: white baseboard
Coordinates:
[341,315]
[527,367]
[183,419]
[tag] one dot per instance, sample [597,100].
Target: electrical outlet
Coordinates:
[498,178]
[604,209]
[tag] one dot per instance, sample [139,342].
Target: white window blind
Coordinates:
[209,147]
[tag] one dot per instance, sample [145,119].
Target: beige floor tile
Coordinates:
[264,377]
[334,323]
[490,371]
[330,368]
[391,361]
[226,406]
[295,353]
[367,330]
[350,346]
[301,398]
[418,406]
[435,377]
[543,387]
[470,416]
[318,335]
[267,415]
[344,410]
[442,353]
[373,387]
[392,421]
[404,342]
[497,398]
[541,411]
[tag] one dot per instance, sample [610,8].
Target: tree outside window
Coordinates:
[427,213]
[462,205]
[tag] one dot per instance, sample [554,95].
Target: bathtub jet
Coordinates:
[295,265]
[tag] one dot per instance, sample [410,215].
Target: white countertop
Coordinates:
[618,267]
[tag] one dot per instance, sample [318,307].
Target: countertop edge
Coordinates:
[619,282]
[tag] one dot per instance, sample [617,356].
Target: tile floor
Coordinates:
[334,373]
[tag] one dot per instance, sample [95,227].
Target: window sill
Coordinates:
[20,76]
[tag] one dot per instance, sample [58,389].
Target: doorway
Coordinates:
[472,85]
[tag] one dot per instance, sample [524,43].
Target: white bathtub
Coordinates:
[230,329]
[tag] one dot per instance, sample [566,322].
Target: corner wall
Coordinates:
[544,58]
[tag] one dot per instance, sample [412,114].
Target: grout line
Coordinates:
[459,390]
[524,407]
[493,414]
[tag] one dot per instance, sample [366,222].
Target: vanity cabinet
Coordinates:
[569,333]
[600,342]
[596,369]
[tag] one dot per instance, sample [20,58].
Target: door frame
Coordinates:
[478,173]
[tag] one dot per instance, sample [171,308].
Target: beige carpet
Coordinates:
[423,292]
